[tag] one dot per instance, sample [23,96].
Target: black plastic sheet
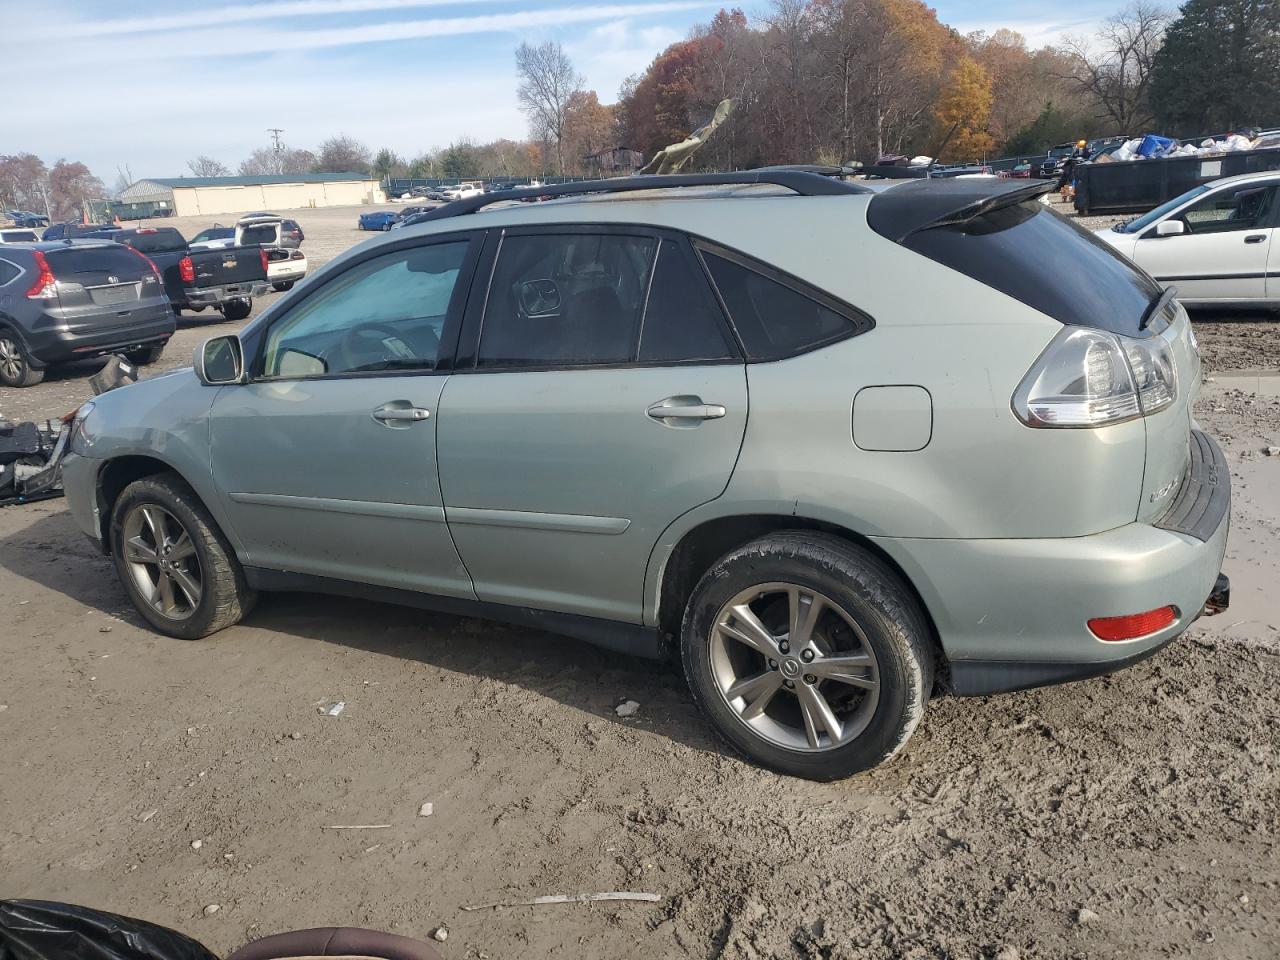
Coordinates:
[44,930]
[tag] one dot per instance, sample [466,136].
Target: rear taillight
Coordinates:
[1091,378]
[187,270]
[155,271]
[1134,625]
[262,252]
[46,284]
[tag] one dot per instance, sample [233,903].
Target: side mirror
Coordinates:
[1170,228]
[220,360]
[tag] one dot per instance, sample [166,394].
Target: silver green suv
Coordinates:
[834,448]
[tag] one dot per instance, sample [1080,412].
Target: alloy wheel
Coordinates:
[794,667]
[10,359]
[162,560]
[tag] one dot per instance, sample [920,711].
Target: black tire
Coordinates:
[225,597]
[16,369]
[146,355]
[177,309]
[868,591]
[199,309]
[282,285]
[237,309]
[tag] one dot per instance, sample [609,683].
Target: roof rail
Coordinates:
[806,182]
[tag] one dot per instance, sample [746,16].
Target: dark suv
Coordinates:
[77,299]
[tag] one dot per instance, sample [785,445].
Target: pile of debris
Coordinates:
[1155,147]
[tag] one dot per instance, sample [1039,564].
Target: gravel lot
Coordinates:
[1129,816]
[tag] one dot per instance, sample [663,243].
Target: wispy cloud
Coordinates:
[228,40]
[213,16]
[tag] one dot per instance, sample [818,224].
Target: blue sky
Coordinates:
[166,81]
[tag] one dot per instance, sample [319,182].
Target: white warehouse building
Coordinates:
[202,196]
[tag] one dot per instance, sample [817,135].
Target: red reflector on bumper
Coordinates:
[1134,625]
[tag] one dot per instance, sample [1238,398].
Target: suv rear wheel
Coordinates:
[15,365]
[177,567]
[808,654]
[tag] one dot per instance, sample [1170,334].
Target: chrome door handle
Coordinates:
[685,408]
[387,413]
[1255,238]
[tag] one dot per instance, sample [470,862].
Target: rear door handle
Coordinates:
[389,413]
[1255,238]
[685,408]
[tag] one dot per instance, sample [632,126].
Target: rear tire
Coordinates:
[282,285]
[146,355]
[237,309]
[16,369]
[160,531]
[842,690]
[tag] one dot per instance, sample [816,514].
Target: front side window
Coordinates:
[1228,210]
[386,313]
[569,299]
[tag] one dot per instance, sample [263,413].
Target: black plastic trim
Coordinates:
[629,638]
[1219,276]
[924,204]
[982,678]
[1204,499]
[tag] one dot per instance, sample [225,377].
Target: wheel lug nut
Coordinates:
[806,656]
[773,664]
[789,684]
[810,678]
[784,646]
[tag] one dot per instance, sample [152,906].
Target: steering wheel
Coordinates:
[366,344]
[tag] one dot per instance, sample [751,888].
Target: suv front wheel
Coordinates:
[177,567]
[808,654]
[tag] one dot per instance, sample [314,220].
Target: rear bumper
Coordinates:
[150,327]
[212,296]
[1013,614]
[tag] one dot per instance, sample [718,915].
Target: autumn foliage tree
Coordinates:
[965,107]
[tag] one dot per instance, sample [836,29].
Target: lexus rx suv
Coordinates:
[833,448]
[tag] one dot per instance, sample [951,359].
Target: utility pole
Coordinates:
[276,145]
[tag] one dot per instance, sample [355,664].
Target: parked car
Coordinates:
[25,218]
[437,193]
[963,470]
[1218,244]
[226,278]
[75,300]
[285,267]
[75,230]
[377,220]
[460,191]
[212,237]
[1019,171]
[18,235]
[268,230]
[404,214]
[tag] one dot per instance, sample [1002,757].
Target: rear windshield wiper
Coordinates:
[1156,305]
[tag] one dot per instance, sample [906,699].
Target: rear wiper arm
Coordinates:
[1156,305]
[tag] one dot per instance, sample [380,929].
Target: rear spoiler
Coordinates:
[901,211]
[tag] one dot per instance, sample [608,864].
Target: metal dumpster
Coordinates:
[1138,185]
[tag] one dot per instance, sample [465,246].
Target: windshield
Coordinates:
[1138,224]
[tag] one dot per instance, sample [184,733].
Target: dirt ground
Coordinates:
[1132,816]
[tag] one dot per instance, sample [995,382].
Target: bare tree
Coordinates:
[343,154]
[1114,69]
[547,81]
[203,166]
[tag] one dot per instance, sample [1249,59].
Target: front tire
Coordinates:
[15,366]
[175,564]
[237,309]
[808,654]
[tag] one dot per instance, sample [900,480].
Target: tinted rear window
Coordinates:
[115,260]
[1041,258]
[216,233]
[164,240]
[256,236]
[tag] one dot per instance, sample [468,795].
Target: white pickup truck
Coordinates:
[460,191]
